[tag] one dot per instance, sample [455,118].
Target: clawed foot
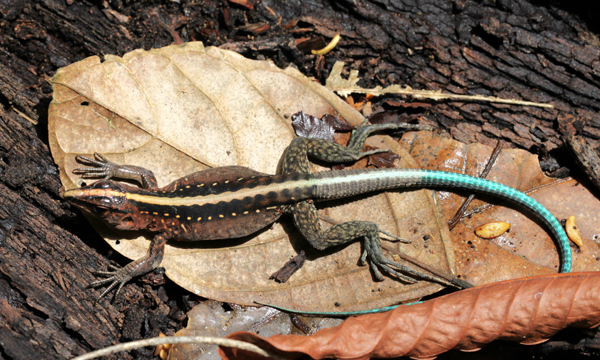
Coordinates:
[101,167]
[119,276]
[373,254]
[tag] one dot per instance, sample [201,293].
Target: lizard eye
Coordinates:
[107,185]
[102,184]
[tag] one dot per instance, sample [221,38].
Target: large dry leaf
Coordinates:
[527,249]
[185,108]
[528,311]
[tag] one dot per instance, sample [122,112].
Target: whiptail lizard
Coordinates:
[234,201]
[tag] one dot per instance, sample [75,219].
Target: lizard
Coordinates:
[234,201]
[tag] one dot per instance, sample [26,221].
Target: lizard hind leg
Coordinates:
[306,220]
[361,133]
[301,149]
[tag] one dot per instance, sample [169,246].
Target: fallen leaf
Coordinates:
[527,249]
[528,311]
[182,109]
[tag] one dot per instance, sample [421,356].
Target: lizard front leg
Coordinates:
[141,266]
[101,168]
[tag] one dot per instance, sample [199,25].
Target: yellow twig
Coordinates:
[329,46]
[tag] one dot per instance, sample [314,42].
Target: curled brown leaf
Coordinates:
[528,310]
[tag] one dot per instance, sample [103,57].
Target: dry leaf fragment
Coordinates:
[290,24]
[382,160]
[492,230]
[255,29]
[528,311]
[162,351]
[164,354]
[572,231]
[324,128]
[244,3]
[289,268]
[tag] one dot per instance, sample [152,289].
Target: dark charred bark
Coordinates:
[507,48]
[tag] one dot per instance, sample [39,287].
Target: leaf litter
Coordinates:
[143,140]
[211,319]
[536,307]
[527,249]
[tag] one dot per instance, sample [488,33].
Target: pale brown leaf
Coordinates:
[185,108]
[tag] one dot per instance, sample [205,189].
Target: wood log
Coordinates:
[505,48]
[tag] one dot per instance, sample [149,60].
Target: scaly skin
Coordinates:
[233,201]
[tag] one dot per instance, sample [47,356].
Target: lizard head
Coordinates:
[106,200]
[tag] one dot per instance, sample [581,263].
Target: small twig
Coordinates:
[242,345]
[345,87]
[329,46]
[176,38]
[445,278]
[34,122]
[488,167]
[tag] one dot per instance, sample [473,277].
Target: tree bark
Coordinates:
[504,48]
